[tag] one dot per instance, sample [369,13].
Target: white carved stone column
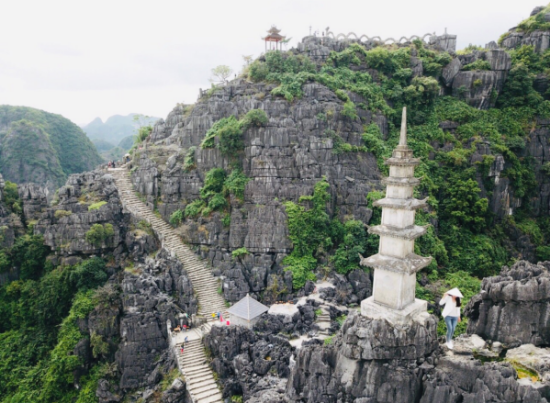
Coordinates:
[395,265]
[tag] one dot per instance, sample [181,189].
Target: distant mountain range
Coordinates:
[115,136]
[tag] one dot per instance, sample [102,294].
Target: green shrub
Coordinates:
[62,213]
[96,206]
[236,183]
[194,209]
[213,182]
[478,65]
[346,257]
[226,221]
[255,117]
[349,110]
[99,234]
[217,202]
[258,71]
[176,218]
[10,197]
[239,252]
[89,274]
[342,95]
[189,161]
[143,133]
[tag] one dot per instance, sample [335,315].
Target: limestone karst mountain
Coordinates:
[270,181]
[42,147]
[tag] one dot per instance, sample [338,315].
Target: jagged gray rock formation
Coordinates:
[370,361]
[242,358]
[464,380]
[156,293]
[34,199]
[513,307]
[283,164]
[64,226]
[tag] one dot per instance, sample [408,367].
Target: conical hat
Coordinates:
[455,292]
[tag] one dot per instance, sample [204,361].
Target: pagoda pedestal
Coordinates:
[395,265]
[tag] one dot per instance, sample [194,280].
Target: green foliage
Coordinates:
[535,22]
[176,218]
[71,147]
[11,197]
[463,205]
[349,110]
[229,132]
[61,213]
[477,65]
[99,234]
[213,182]
[96,206]
[353,239]
[39,331]
[90,274]
[255,117]
[518,89]
[29,255]
[194,208]
[231,137]
[239,252]
[189,162]
[236,183]
[308,230]
[143,133]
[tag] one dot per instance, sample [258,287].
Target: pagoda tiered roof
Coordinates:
[409,265]
[274,35]
[392,180]
[403,204]
[408,233]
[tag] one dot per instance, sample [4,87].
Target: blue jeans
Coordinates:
[451,322]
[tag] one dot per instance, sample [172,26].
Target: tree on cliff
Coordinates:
[220,74]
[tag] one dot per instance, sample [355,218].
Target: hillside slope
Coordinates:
[67,149]
[272,176]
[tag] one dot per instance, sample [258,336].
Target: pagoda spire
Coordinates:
[395,265]
[403,135]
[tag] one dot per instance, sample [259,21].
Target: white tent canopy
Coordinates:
[248,308]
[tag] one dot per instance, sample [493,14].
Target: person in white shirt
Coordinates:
[451,313]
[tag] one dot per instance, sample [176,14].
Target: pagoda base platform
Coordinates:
[418,310]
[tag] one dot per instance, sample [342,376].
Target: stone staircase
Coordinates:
[204,283]
[323,321]
[199,379]
[193,363]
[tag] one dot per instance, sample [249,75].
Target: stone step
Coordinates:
[210,387]
[199,384]
[212,399]
[209,393]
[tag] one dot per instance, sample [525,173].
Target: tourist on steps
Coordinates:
[451,312]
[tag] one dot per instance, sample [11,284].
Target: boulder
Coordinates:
[513,307]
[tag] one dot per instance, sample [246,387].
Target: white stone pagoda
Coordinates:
[395,265]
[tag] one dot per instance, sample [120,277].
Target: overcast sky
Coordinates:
[100,58]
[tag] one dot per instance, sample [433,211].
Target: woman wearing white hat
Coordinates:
[451,312]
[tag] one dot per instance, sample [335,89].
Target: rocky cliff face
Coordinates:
[127,329]
[371,360]
[284,159]
[513,307]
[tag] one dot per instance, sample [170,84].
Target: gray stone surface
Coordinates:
[513,307]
